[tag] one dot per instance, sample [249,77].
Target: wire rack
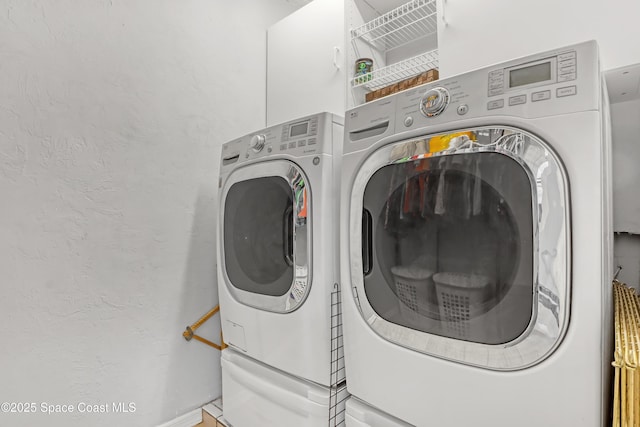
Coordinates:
[399,26]
[337,406]
[338,394]
[398,71]
[626,389]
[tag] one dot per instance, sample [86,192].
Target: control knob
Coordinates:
[257,142]
[434,101]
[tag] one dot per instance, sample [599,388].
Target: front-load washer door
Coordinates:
[266,234]
[460,249]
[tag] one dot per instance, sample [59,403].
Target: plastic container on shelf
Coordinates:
[422,68]
[416,292]
[364,66]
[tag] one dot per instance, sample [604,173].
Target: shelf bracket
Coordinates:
[189,334]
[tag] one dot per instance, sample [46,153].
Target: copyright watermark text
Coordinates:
[57,408]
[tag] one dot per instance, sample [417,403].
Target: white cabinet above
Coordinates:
[305,62]
[477,34]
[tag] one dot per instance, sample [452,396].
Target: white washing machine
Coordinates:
[255,394]
[277,247]
[476,247]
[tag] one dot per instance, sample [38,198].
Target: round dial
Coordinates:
[257,142]
[434,101]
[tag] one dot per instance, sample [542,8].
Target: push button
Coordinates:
[463,109]
[567,63]
[566,91]
[517,100]
[566,77]
[567,55]
[408,121]
[494,105]
[540,96]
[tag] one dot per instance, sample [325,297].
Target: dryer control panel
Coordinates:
[309,135]
[558,68]
[552,83]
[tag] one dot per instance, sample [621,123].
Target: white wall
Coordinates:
[627,256]
[112,114]
[625,121]
[625,133]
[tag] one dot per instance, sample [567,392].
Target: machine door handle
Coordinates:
[288,235]
[367,242]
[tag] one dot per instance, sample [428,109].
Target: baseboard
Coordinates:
[189,419]
[212,410]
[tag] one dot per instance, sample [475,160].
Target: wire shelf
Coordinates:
[399,26]
[399,71]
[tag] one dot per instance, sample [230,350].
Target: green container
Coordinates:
[364,66]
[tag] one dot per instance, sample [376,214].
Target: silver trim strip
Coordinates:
[302,239]
[551,264]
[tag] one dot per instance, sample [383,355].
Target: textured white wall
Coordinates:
[625,124]
[625,121]
[627,256]
[112,114]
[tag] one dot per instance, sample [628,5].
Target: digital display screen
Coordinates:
[298,129]
[527,75]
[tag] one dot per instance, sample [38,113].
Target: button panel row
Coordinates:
[535,97]
[296,144]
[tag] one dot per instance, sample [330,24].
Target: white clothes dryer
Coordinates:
[359,414]
[476,247]
[277,247]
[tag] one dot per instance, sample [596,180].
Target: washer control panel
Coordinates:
[296,138]
[298,134]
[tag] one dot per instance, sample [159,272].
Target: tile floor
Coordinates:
[212,415]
